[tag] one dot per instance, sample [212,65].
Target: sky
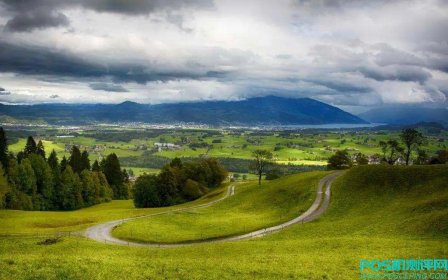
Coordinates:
[356,55]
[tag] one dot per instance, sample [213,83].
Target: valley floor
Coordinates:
[375,213]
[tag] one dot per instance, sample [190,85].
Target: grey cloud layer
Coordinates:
[27,15]
[344,52]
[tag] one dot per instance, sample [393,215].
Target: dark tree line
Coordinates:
[392,150]
[35,182]
[178,182]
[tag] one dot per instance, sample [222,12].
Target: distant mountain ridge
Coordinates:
[270,110]
[406,115]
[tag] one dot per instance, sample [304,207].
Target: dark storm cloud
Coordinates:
[107,87]
[140,7]
[4,92]
[27,15]
[25,22]
[340,86]
[132,7]
[389,56]
[404,74]
[41,61]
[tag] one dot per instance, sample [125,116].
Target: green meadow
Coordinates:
[252,207]
[376,212]
[293,147]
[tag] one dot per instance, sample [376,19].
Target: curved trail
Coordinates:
[102,232]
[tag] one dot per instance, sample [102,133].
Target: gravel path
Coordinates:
[103,232]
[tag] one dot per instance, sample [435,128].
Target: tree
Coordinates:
[71,190]
[262,158]
[53,160]
[273,174]
[361,159]
[169,185]
[422,157]
[40,150]
[391,151]
[85,161]
[96,166]
[440,158]
[146,192]
[44,181]
[114,176]
[4,188]
[75,160]
[125,176]
[64,163]
[30,147]
[412,139]
[27,178]
[88,187]
[20,156]
[192,190]
[176,162]
[4,158]
[340,160]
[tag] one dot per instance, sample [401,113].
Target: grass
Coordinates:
[141,170]
[50,222]
[375,213]
[252,207]
[297,148]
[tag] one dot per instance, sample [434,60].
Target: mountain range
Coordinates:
[270,110]
[406,115]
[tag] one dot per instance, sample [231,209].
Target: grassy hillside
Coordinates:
[398,200]
[251,208]
[377,212]
[50,222]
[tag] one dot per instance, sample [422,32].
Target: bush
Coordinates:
[340,160]
[192,190]
[178,182]
[146,192]
[273,174]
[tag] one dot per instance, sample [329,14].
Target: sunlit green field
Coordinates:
[375,213]
[251,208]
[291,148]
[50,222]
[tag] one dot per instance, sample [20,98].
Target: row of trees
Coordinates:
[178,182]
[35,182]
[392,151]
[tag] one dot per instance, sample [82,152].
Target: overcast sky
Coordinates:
[352,54]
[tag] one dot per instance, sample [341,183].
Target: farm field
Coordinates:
[376,212]
[300,147]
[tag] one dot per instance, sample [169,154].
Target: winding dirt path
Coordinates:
[103,232]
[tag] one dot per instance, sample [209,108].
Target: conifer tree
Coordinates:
[85,161]
[96,166]
[114,176]
[53,160]
[75,160]
[4,158]
[30,147]
[40,150]
[64,163]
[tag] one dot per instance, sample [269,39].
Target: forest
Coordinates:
[30,180]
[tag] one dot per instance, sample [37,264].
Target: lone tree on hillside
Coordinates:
[412,139]
[361,159]
[340,160]
[391,151]
[262,158]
